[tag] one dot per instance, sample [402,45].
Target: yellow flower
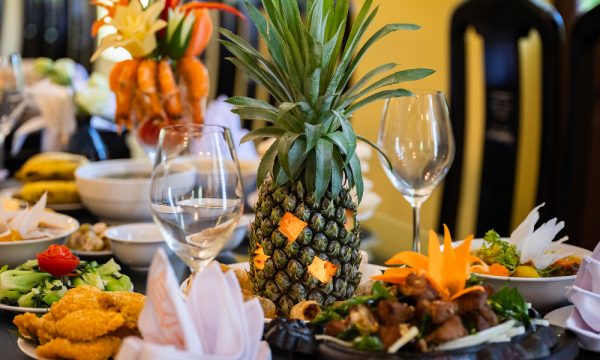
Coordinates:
[136,29]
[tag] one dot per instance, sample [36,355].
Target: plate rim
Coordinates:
[29,348]
[21,309]
[92,253]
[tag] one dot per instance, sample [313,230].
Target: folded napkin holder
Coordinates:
[213,323]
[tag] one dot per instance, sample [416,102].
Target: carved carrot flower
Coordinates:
[446,270]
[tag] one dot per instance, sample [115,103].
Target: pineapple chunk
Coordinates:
[260,258]
[322,270]
[291,226]
[350,221]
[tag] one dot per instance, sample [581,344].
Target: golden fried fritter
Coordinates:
[79,298]
[129,305]
[28,325]
[85,324]
[99,349]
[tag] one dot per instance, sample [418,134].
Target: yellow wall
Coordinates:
[429,47]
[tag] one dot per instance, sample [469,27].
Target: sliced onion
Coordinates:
[478,338]
[403,340]
[334,339]
[540,322]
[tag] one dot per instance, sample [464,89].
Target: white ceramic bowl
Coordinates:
[115,200]
[14,253]
[544,294]
[135,244]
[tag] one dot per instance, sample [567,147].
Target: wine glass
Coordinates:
[11,98]
[416,135]
[196,191]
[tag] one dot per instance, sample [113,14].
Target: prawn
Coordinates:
[123,81]
[195,78]
[146,79]
[169,90]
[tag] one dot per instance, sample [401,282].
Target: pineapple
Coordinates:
[304,242]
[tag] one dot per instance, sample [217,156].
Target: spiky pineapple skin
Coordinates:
[285,279]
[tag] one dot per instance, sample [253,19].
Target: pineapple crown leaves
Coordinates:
[308,73]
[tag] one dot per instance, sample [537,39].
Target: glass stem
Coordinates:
[416,245]
[2,159]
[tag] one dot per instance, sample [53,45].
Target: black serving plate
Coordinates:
[552,343]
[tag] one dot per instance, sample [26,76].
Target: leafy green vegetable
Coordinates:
[380,291]
[368,343]
[496,250]
[508,303]
[27,286]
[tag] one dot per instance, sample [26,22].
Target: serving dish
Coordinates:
[135,244]
[22,309]
[112,198]
[543,293]
[13,253]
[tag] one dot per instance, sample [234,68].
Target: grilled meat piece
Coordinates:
[389,334]
[439,310]
[393,313]
[335,327]
[452,329]
[472,301]
[479,320]
[417,286]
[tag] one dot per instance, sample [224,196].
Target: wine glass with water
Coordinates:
[416,135]
[196,191]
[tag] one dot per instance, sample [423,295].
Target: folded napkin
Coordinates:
[219,113]
[25,222]
[213,323]
[585,295]
[56,119]
[537,245]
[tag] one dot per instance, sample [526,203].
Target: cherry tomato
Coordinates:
[149,130]
[57,260]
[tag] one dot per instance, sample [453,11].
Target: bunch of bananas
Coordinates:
[53,173]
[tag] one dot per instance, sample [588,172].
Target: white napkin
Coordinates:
[213,323]
[57,116]
[537,245]
[25,222]
[219,113]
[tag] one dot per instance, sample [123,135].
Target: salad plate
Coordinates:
[544,293]
[21,309]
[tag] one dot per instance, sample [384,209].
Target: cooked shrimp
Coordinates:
[146,77]
[195,78]
[169,90]
[124,90]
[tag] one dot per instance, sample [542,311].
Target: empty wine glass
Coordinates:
[416,135]
[196,191]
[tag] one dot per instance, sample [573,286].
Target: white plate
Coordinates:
[82,253]
[559,316]
[29,349]
[9,193]
[20,309]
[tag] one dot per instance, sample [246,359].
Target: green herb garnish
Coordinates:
[508,303]
[496,250]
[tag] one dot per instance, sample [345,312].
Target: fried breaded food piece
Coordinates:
[79,298]
[86,325]
[28,325]
[99,349]
[128,304]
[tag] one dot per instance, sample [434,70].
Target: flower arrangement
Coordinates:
[164,39]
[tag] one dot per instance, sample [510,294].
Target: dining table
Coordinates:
[9,349]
